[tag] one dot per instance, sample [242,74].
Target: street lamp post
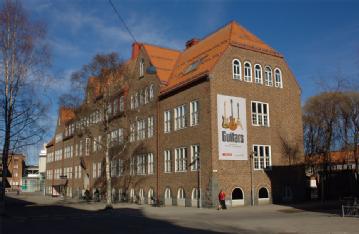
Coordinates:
[198,183]
[251,171]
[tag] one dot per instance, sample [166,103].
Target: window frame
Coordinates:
[194,114]
[247,78]
[266,159]
[236,70]
[260,115]
[276,83]
[268,82]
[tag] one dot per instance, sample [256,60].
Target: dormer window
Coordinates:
[142,67]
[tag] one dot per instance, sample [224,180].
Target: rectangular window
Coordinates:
[260,114]
[181,159]
[141,164]
[80,148]
[261,156]
[132,166]
[113,168]
[99,169]
[94,144]
[122,104]
[120,167]
[150,163]
[141,129]
[94,170]
[132,132]
[132,104]
[79,171]
[180,117]
[194,113]
[150,127]
[87,146]
[167,160]
[195,157]
[115,106]
[120,135]
[167,121]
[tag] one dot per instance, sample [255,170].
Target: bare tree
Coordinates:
[321,121]
[350,126]
[23,55]
[105,102]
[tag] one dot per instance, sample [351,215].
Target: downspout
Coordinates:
[157,149]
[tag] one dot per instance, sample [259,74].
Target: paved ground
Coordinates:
[37,214]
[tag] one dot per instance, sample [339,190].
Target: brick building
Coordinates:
[16,170]
[212,116]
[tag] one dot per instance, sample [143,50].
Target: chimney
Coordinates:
[136,47]
[192,42]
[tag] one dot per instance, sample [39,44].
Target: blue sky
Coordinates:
[319,39]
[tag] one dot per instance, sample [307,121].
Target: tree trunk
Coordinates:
[108,178]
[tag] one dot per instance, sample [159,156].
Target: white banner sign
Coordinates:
[232,128]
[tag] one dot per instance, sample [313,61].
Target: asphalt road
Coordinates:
[38,214]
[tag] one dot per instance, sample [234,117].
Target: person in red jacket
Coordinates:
[222,200]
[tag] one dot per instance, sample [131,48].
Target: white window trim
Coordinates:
[275,78]
[270,158]
[192,103]
[167,158]
[261,72]
[268,82]
[268,118]
[248,78]
[239,75]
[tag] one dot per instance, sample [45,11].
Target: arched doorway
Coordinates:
[181,197]
[150,196]
[194,197]
[168,197]
[263,196]
[237,197]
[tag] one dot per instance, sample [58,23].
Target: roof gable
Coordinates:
[175,68]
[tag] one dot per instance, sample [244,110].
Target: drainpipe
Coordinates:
[157,149]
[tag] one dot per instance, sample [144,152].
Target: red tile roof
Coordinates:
[175,68]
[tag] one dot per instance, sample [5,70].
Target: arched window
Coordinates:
[258,74]
[142,67]
[141,194]
[247,72]
[237,194]
[278,78]
[150,196]
[237,74]
[132,193]
[195,194]
[151,92]
[268,80]
[181,194]
[142,98]
[263,193]
[168,193]
[120,195]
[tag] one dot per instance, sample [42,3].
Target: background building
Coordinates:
[16,170]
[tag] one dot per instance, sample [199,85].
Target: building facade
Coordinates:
[16,170]
[182,125]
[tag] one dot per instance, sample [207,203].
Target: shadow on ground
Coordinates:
[332,208]
[25,217]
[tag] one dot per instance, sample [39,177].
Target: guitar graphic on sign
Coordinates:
[232,121]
